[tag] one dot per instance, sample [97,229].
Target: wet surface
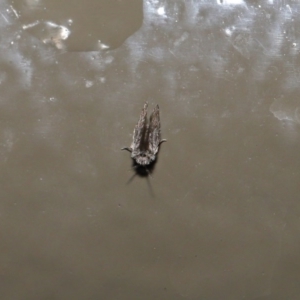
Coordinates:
[218,219]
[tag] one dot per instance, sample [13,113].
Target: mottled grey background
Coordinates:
[224,222]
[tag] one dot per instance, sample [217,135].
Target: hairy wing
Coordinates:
[139,130]
[154,137]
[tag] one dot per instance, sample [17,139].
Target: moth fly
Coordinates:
[146,138]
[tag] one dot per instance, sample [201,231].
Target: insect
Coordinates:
[146,138]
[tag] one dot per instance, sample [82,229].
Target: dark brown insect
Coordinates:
[146,138]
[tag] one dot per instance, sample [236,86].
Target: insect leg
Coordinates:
[126,148]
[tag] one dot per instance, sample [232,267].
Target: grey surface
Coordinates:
[224,222]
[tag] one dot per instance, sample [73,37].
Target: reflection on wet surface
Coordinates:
[224,222]
[95,25]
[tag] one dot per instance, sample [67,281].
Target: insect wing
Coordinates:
[154,136]
[139,130]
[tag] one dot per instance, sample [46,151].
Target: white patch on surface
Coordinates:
[30,25]
[89,83]
[14,11]
[161,11]
[285,110]
[102,46]
[230,2]
[49,32]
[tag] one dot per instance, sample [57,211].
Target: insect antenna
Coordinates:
[126,148]
[162,141]
[150,187]
[131,178]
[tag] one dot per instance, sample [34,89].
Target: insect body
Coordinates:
[146,138]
